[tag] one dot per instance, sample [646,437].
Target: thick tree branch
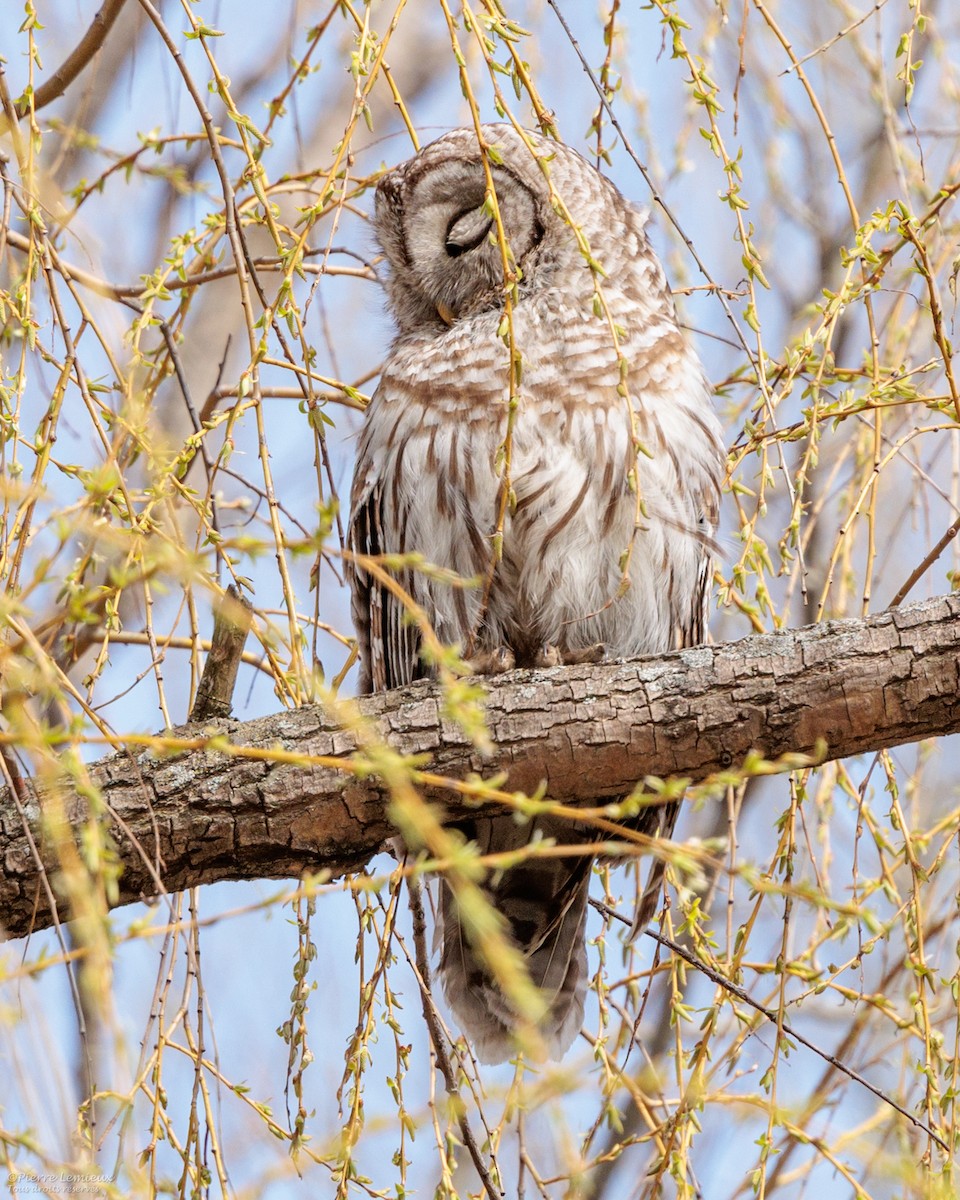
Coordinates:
[590,732]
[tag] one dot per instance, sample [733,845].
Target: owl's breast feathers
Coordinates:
[596,480]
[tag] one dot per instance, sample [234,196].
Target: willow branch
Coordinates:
[76,61]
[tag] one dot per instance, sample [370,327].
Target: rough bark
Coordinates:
[589,732]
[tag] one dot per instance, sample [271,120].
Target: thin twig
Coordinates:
[929,560]
[648,179]
[772,1015]
[837,37]
[437,1039]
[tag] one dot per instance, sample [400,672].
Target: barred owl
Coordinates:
[607,497]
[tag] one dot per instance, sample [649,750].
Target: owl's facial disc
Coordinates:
[437,230]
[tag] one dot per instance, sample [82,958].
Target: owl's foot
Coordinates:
[548,656]
[555,656]
[497,661]
[587,654]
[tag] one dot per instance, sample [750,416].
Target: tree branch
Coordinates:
[589,732]
[76,61]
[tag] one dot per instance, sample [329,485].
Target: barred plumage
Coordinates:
[430,470]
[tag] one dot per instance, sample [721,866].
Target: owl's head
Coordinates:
[436,226]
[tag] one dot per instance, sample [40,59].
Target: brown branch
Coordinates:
[438,1041]
[75,62]
[589,732]
[231,624]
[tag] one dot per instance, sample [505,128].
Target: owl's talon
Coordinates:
[497,661]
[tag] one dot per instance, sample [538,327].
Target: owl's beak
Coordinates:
[446,314]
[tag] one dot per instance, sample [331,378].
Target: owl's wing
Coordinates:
[692,620]
[692,624]
[388,640]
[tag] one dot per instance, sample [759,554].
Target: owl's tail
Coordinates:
[544,904]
